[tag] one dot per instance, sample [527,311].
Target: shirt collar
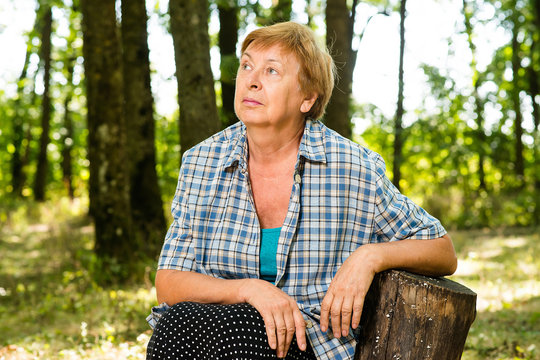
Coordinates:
[237,148]
[311,145]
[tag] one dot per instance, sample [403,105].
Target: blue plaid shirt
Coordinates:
[341,199]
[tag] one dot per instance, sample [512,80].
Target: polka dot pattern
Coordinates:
[209,331]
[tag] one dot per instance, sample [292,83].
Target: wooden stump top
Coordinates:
[409,316]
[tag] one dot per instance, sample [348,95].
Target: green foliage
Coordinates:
[168,154]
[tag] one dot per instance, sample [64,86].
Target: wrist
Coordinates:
[372,257]
[244,288]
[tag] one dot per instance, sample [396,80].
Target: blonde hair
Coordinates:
[317,69]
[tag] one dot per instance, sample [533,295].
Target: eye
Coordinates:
[245,66]
[272,71]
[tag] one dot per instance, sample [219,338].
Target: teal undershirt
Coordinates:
[267,256]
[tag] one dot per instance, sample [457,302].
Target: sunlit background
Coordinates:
[433,36]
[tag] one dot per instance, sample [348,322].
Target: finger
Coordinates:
[291,327]
[300,330]
[346,314]
[326,305]
[281,333]
[357,311]
[335,314]
[270,326]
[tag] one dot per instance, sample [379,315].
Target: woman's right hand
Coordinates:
[280,313]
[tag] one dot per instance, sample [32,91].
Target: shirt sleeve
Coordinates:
[178,252]
[397,217]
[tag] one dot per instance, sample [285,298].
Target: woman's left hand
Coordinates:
[344,299]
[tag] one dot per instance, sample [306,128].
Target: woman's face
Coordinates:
[267,88]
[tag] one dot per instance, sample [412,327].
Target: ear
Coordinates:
[308,102]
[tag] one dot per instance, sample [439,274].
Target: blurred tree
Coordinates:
[515,93]
[19,120]
[533,78]
[67,136]
[146,206]
[339,33]
[46,107]
[109,177]
[196,96]
[398,125]
[228,38]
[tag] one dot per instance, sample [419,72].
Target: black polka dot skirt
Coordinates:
[209,331]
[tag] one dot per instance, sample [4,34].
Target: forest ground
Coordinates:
[51,307]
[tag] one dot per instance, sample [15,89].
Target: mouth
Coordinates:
[251,102]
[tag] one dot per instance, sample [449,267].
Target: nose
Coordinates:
[254,82]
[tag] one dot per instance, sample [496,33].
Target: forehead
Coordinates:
[275,52]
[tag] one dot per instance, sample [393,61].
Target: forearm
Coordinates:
[174,286]
[434,257]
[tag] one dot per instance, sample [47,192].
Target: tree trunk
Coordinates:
[67,138]
[398,127]
[149,224]
[228,38]
[408,316]
[42,164]
[17,176]
[109,180]
[196,96]
[534,90]
[338,39]
[516,103]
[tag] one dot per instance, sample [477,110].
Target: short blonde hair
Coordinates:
[317,69]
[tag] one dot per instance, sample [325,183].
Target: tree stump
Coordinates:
[408,316]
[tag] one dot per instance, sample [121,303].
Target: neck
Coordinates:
[273,146]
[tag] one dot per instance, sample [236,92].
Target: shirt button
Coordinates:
[297,178]
[309,324]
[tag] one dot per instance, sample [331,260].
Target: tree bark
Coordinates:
[408,316]
[516,103]
[339,25]
[196,96]
[109,180]
[228,38]
[44,140]
[149,224]
[398,122]
[533,75]
[67,138]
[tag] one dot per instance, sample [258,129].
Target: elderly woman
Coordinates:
[280,223]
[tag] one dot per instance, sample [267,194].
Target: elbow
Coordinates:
[161,286]
[451,257]
[452,264]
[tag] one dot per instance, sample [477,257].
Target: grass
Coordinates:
[51,307]
[503,267]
